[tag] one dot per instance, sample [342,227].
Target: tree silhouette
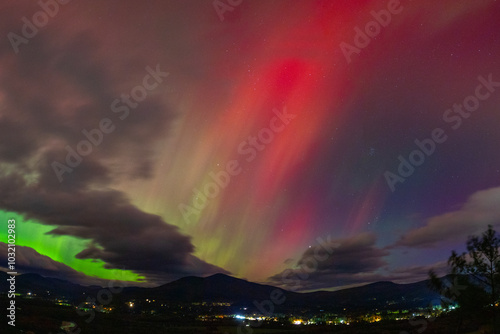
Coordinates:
[477,271]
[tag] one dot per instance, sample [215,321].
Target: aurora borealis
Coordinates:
[263,137]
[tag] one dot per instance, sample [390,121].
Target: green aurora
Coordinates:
[61,248]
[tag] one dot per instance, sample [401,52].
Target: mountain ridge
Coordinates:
[239,292]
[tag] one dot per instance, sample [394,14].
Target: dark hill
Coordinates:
[239,292]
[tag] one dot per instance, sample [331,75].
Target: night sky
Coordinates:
[148,141]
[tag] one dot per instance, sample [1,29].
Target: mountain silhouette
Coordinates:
[223,288]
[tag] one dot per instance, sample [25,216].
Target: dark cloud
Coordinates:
[49,102]
[60,84]
[481,209]
[340,262]
[349,262]
[121,235]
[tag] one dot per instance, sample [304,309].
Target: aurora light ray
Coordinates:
[322,175]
